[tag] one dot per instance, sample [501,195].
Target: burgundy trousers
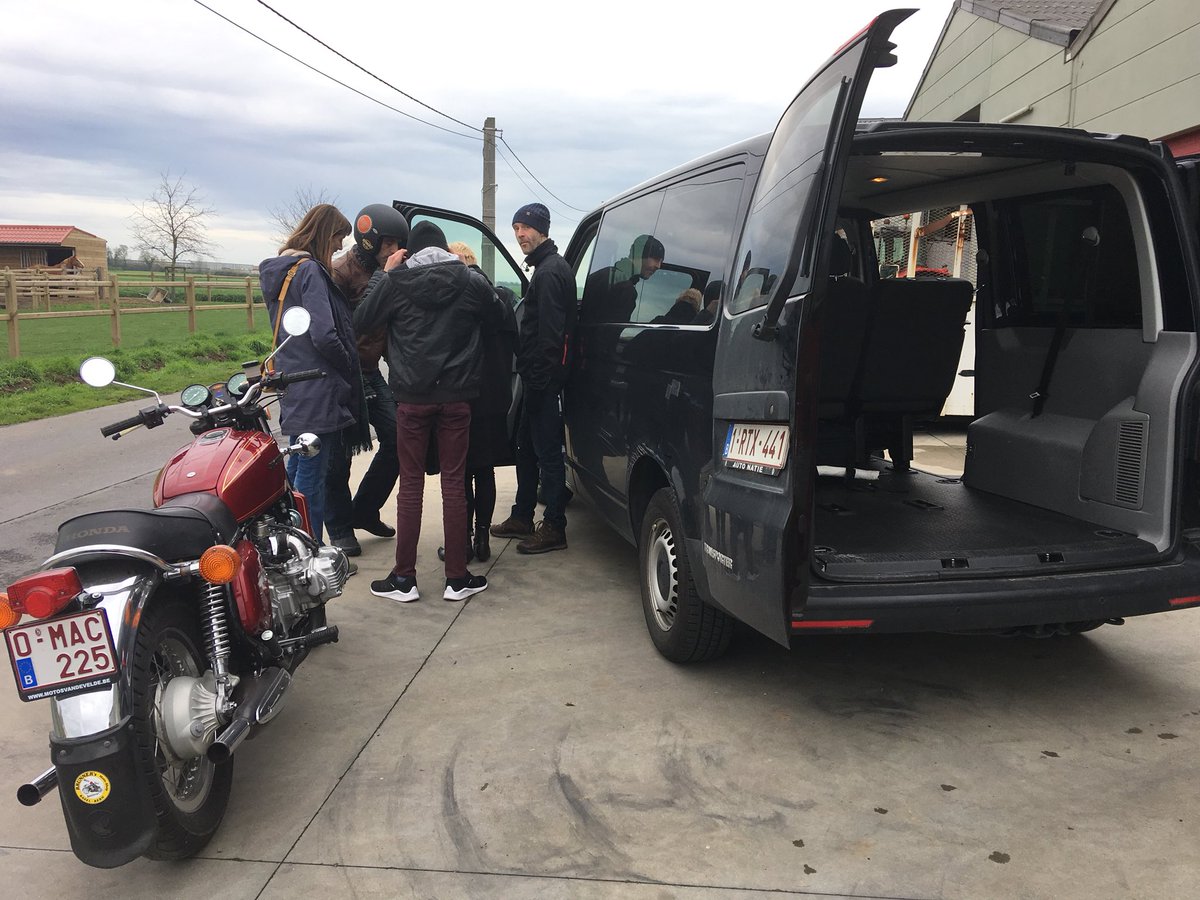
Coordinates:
[414,422]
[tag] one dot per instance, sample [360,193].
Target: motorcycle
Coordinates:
[163,638]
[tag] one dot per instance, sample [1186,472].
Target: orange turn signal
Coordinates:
[8,615]
[220,564]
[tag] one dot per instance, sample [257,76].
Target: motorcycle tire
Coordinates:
[189,796]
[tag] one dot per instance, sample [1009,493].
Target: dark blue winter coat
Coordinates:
[323,405]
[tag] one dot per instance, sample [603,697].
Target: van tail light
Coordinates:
[43,594]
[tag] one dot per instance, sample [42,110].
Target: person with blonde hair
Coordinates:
[330,407]
[464,252]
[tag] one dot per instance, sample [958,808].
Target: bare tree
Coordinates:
[170,223]
[287,215]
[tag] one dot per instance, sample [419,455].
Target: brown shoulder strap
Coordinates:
[279,312]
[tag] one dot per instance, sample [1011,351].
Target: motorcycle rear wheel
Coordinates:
[190,795]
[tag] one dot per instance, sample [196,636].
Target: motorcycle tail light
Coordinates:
[220,564]
[43,594]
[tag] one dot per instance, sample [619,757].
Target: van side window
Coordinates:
[662,258]
[696,227]
[624,253]
[784,199]
[1073,257]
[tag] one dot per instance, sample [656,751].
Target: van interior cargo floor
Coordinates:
[887,525]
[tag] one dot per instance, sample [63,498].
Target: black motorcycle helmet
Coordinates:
[375,222]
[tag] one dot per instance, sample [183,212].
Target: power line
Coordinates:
[471,137]
[535,178]
[303,30]
[479,131]
[532,190]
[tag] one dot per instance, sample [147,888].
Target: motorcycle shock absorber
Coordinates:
[215,616]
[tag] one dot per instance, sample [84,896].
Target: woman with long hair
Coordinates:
[330,407]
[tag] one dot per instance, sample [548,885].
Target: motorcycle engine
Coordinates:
[302,578]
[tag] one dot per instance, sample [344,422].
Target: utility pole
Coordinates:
[487,251]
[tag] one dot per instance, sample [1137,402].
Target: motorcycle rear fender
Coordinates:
[107,807]
[126,582]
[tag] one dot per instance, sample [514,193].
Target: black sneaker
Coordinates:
[401,588]
[462,588]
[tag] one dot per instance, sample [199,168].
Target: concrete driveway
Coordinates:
[530,743]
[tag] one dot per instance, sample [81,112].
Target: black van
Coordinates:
[742,406]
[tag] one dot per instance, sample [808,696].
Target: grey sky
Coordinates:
[99,99]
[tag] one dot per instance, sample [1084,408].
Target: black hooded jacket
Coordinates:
[433,306]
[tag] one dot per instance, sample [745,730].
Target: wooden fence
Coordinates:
[27,293]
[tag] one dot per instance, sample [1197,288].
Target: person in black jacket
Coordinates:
[547,321]
[433,306]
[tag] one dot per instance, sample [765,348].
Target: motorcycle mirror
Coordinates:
[296,321]
[98,371]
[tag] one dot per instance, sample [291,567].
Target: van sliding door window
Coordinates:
[624,257]
[695,229]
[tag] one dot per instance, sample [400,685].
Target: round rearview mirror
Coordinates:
[98,371]
[296,320]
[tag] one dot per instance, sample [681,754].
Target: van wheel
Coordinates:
[683,627]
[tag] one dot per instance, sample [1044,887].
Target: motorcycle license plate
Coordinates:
[60,657]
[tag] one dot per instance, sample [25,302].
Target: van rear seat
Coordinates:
[907,367]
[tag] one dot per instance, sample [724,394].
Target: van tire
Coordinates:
[682,626]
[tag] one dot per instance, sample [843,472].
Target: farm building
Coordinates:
[53,246]
[1127,66]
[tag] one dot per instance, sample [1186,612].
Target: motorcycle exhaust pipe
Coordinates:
[260,704]
[31,794]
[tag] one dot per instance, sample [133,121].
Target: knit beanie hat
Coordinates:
[535,215]
[425,234]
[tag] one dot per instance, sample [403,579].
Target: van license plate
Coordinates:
[60,657]
[756,447]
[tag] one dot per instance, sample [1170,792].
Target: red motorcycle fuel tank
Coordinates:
[243,468]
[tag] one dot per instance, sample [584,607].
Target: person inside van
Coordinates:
[542,362]
[712,301]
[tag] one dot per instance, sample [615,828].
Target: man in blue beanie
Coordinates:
[543,362]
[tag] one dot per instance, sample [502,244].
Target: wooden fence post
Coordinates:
[115,306]
[249,304]
[189,292]
[10,305]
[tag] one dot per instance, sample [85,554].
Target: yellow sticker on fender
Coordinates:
[92,787]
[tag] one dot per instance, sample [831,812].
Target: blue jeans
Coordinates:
[540,458]
[308,477]
[341,510]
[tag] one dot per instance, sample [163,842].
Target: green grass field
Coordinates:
[91,335]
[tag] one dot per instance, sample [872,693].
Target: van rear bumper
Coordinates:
[991,604]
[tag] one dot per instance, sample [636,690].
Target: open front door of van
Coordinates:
[757,528]
[492,256]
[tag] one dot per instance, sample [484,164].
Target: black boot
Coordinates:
[470,550]
[482,547]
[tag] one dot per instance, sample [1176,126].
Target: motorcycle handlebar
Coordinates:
[124,425]
[305,375]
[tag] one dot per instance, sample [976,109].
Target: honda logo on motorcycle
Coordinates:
[98,532]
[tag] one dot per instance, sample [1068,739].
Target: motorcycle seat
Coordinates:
[183,528]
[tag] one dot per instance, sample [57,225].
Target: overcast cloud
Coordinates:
[99,99]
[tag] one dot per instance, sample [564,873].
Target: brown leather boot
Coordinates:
[512,527]
[546,537]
